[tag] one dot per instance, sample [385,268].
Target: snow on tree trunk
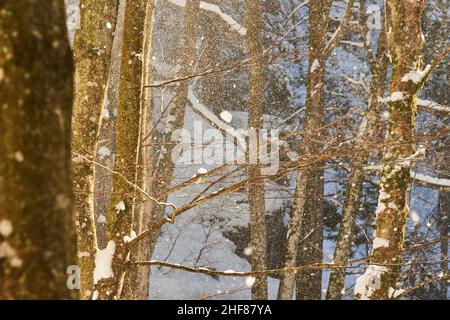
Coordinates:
[92,51]
[257,82]
[121,211]
[405,41]
[365,139]
[37,231]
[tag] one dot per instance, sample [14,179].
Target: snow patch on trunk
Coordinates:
[369,282]
[379,242]
[103,262]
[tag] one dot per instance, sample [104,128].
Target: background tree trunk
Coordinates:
[309,189]
[37,239]
[256,198]
[162,174]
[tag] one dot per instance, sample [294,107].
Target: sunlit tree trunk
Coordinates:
[37,230]
[405,41]
[257,82]
[92,51]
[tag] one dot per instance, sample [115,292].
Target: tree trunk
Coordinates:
[92,51]
[302,222]
[121,212]
[138,278]
[257,82]
[104,155]
[37,231]
[366,138]
[405,48]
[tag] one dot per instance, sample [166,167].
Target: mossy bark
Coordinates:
[37,239]
[405,42]
[92,52]
[137,281]
[121,211]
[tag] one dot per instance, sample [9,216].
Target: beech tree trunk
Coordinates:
[92,51]
[257,81]
[37,231]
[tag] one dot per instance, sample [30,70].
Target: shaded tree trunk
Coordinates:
[92,51]
[37,231]
[309,188]
[405,49]
[257,82]
[306,226]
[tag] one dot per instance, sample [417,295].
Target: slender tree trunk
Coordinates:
[104,155]
[405,48]
[92,51]
[37,230]
[367,137]
[138,278]
[257,81]
[121,212]
[309,223]
[163,165]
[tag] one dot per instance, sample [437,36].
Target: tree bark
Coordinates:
[138,279]
[104,155]
[257,81]
[405,48]
[122,207]
[92,51]
[37,230]
[308,189]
